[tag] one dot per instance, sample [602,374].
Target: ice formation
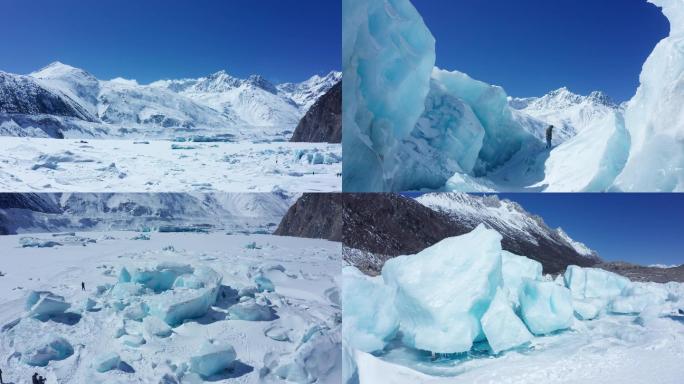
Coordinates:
[502,327]
[409,126]
[212,359]
[465,290]
[180,291]
[107,362]
[545,307]
[387,54]
[45,304]
[370,318]
[443,291]
[655,118]
[46,349]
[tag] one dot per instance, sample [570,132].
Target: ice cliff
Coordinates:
[411,126]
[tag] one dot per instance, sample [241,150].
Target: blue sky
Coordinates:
[531,47]
[283,40]
[639,228]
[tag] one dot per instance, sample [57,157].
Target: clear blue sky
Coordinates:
[283,40]
[638,228]
[531,47]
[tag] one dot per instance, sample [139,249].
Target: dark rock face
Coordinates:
[314,215]
[389,225]
[22,95]
[32,201]
[323,122]
[17,207]
[641,273]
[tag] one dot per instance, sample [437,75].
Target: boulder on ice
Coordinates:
[45,304]
[46,349]
[545,307]
[443,291]
[370,318]
[212,359]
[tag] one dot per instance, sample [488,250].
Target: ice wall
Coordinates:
[447,139]
[388,54]
[503,135]
[655,117]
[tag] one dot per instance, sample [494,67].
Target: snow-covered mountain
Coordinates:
[72,102]
[506,217]
[306,93]
[568,112]
[258,212]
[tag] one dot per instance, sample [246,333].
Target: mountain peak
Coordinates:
[261,82]
[58,69]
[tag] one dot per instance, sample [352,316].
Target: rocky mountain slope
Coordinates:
[323,122]
[314,215]
[388,225]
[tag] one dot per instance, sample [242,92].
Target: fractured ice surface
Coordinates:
[443,291]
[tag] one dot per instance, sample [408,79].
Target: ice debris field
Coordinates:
[169,308]
[490,316]
[412,126]
[53,165]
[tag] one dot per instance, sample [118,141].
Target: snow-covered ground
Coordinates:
[612,350]
[117,331]
[52,165]
[465,311]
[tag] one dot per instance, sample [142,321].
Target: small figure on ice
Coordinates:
[549,136]
[34,378]
[1,382]
[83,285]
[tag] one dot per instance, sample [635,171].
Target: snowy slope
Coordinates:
[306,93]
[568,112]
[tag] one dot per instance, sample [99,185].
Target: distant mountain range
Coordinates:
[568,112]
[58,212]
[62,101]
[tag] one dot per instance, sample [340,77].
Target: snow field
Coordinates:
[51,165]
[162,310]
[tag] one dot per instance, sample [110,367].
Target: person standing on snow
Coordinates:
[1,382]
[83,285]
[549,136]
[34,378]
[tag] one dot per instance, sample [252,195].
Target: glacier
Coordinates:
[412,126]
[466,300]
